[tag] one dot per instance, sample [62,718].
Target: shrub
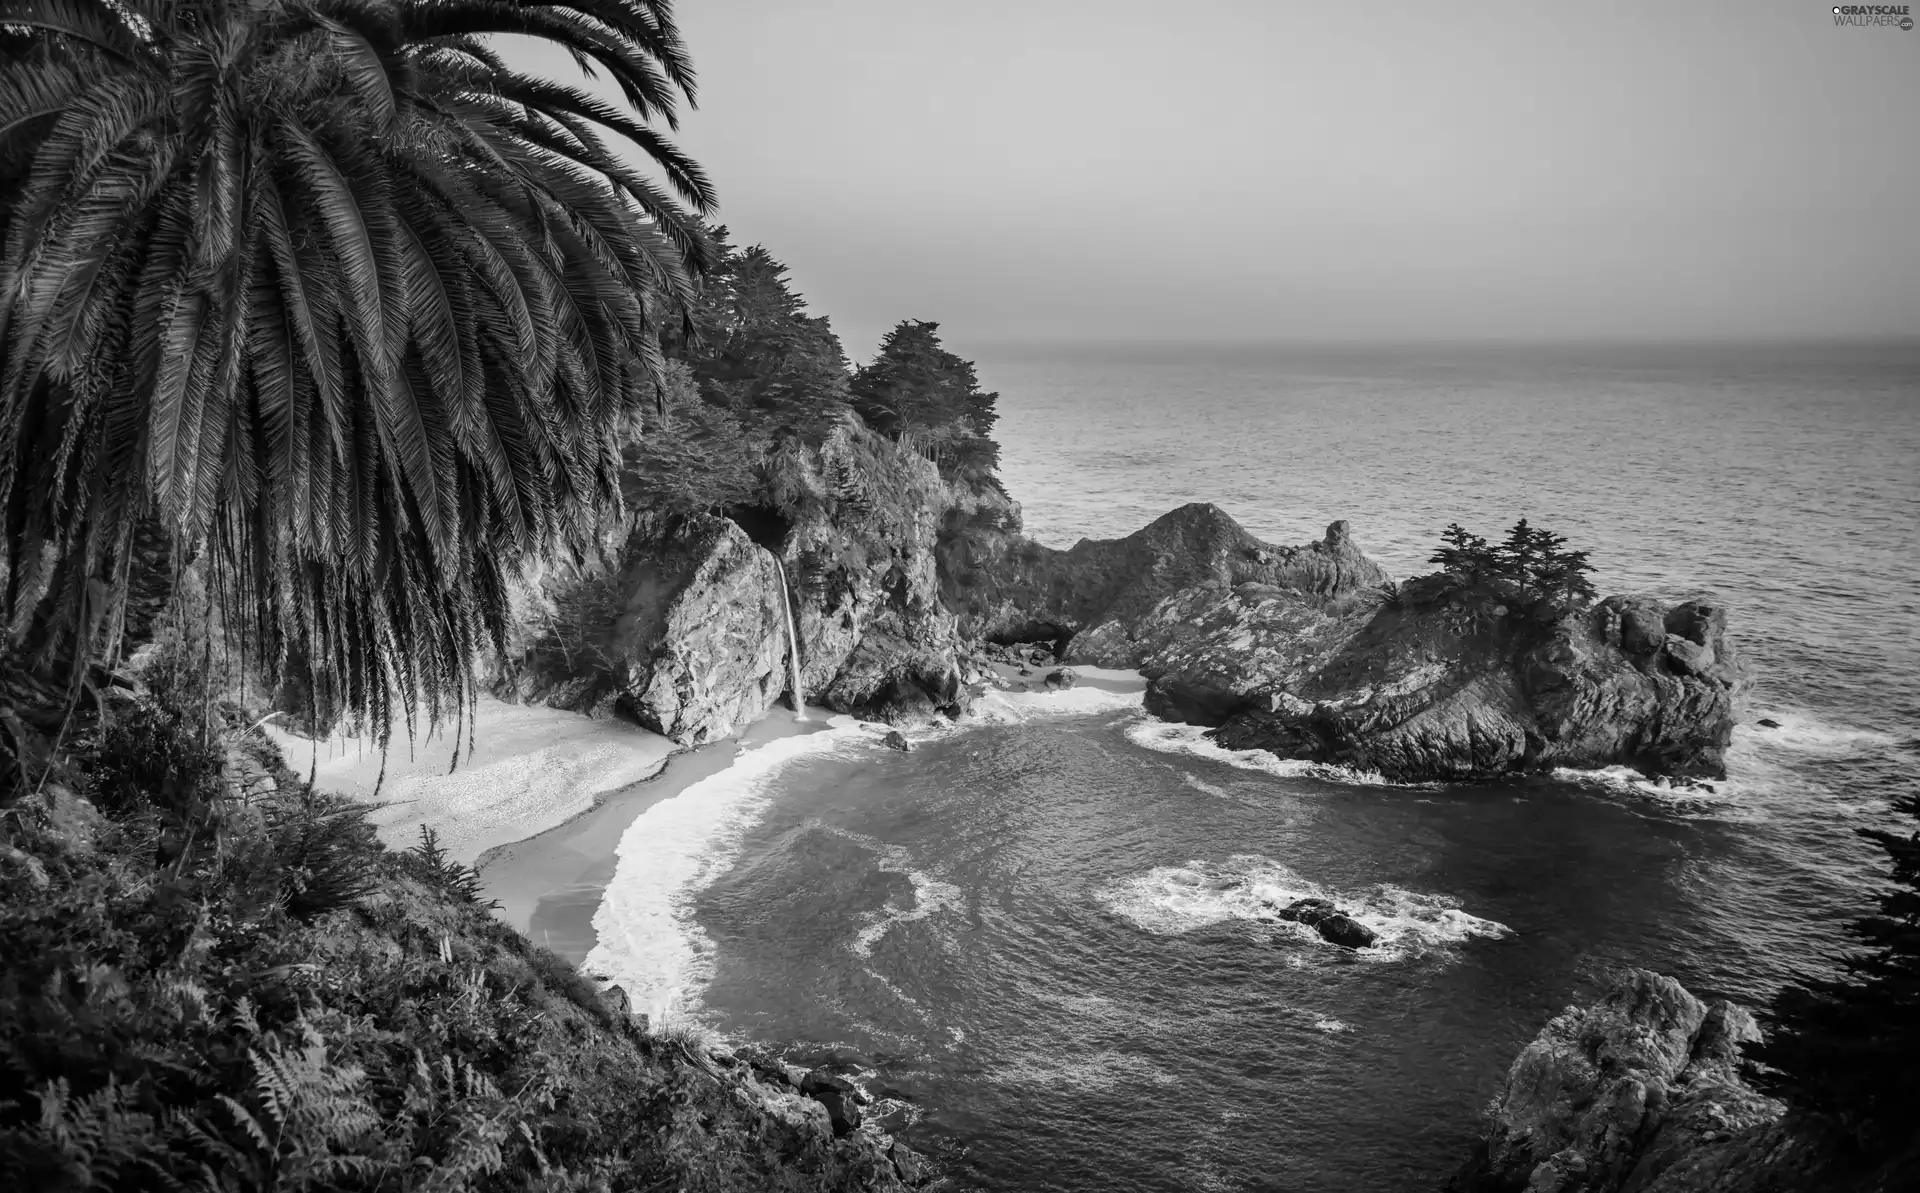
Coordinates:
[457,879]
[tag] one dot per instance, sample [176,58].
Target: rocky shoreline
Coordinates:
[1311,652]
[1642,1092]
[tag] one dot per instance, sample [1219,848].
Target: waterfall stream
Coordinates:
[793,645]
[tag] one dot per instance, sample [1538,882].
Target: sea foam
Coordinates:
[1170,900]
[1804,733]
[649,941]
[1018,708]
[1168,737]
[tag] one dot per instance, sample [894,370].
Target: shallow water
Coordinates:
[1051,934]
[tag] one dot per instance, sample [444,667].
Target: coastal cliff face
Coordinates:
[1009,588]
[1403,691]
[681,627]
[1641,1093]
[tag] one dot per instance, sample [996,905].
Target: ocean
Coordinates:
[1039,934]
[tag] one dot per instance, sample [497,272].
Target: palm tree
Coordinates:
[352,308]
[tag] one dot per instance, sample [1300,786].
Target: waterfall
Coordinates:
[793,646]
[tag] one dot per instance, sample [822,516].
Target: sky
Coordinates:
[1272,170]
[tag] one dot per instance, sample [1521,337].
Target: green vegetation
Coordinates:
[1529,574]
[916,389]
[220,981]
[755,384]
[321,326]
[347,305]
[1846,1050]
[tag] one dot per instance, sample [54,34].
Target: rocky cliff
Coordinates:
[1405,689]
[1641,1093]
[1311,653]
[680,624]
[1009,588]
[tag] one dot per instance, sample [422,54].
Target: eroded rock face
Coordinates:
[1641,1093]
[1398,685]
[684,634]
[1009,588]
[682,628]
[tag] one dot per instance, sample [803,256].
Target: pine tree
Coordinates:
[916,387]
[1462,554]
[755,350]
[1847,1049]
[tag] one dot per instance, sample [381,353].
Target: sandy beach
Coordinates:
[531,768]
[550,883]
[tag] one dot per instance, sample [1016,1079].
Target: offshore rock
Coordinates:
[1011,589]
[1641,1093]
[1405,685]
[1333,925]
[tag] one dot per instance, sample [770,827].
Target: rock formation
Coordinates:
[1641,1093]
[681,629]
[1333,925]
[1308,652]
[1401,690]
[1010,588]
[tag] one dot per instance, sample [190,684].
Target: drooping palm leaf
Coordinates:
[332,292]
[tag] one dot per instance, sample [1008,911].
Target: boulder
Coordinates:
[907,1164]
[896,740]
[1062,679]
[1346,932]
[1333,925]
[679,623]
[838,1095]
[1624,1096]
[1643,623]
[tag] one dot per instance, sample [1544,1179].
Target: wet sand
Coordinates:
[552,883]
[549,885]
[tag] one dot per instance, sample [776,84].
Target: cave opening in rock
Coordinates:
[764,524]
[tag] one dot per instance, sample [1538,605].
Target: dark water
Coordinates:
[1047,934]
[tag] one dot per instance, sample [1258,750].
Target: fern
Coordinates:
[456,878]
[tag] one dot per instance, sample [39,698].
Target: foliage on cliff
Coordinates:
[1847,1049]
[217,979]
[1528,573]
[756,386]
[915,389]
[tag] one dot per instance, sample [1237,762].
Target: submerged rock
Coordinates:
[1333,925]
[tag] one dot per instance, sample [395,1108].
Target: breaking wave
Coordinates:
[1170,900]
[649,941]
[1169,737]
